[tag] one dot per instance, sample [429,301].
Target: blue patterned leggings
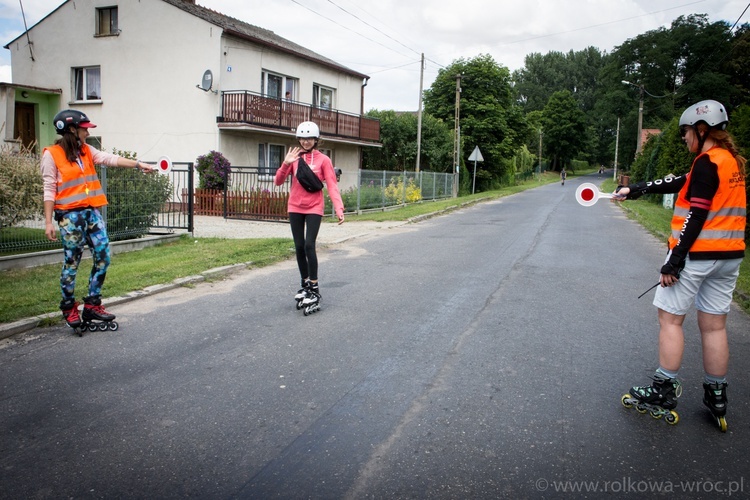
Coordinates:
[77,228]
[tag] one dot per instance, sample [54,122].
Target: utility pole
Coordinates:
[539,168]
[419,114]
[457,134]
[639,146]
[617,144]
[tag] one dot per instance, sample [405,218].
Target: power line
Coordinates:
[347,28]
[371,26]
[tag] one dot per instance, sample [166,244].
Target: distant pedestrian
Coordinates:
[309,168]
[73,196]
[563,176]
[705,251]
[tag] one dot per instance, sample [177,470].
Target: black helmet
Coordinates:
[67,117]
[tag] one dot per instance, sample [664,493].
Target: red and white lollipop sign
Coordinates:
[588,194]
[164,165]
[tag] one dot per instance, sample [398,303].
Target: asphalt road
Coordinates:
[480,354]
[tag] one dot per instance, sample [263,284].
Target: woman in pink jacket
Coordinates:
[306,207]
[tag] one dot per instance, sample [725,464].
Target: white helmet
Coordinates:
[711,112]
[307,129]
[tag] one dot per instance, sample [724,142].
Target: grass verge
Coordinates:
[34,291]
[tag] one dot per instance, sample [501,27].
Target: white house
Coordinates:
[169,77]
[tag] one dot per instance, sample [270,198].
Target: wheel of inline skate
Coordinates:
[102,327]
[113,326]
[672,418]
[93,327]
[640,408]
[655,414]
[722,422]
[625,400]
[299,305]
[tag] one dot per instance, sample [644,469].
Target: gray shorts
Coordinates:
[708,283]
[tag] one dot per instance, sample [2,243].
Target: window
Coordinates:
[106,21]
[278,86]
[322,97]
[270,157]
[87,84]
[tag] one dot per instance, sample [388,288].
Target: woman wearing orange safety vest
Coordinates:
[73,196]
[706,247]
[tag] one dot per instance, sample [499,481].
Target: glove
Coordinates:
[674,266]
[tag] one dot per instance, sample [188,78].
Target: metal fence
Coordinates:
[379,189]
[141,204]
[138,204]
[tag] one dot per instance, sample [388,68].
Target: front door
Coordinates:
[25,125]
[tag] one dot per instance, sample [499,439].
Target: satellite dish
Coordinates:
[207,81]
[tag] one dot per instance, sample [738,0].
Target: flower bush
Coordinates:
[394,192]
[213,170]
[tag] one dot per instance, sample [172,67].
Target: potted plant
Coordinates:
[213,172]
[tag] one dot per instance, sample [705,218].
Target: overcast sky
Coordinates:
[384,39]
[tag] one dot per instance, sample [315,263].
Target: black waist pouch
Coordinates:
[307,178]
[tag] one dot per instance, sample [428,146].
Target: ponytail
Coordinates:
[724,140]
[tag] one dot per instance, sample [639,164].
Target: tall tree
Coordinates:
[564,128]
[488,116]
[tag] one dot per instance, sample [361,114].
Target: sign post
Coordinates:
[475,156]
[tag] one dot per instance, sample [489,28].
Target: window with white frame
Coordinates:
[106,21]
[270,157]
[323,97]
[327,152]
[278,86]
[87,84]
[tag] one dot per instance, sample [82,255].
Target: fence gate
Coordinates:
[177,212]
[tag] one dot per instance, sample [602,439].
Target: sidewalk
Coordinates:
[330,232]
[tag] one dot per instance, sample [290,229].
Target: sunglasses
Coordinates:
[684,130]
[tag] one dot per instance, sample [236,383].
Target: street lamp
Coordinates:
[639,145]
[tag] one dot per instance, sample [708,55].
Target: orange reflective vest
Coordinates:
[723,234]
[79,185]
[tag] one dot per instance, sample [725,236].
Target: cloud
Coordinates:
[385,39]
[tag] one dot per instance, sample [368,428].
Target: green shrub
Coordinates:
[21,190]
[134,198]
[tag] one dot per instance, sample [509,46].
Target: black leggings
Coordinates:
[304,244]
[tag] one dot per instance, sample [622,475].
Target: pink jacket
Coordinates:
[303,202]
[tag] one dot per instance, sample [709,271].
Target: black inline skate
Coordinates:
[301,293]
[715,398]
[311,302]
[95,317]
[659,399]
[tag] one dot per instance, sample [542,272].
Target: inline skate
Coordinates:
[95,317]
[301,293]
[715,398]
[311,302]
[658,399]
[71,315]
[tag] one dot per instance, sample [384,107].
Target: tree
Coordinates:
[398,135]
[564,128]
[488,116]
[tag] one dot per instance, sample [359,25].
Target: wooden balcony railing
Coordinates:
[241,106]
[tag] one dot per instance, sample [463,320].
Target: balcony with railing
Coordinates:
[243,107]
